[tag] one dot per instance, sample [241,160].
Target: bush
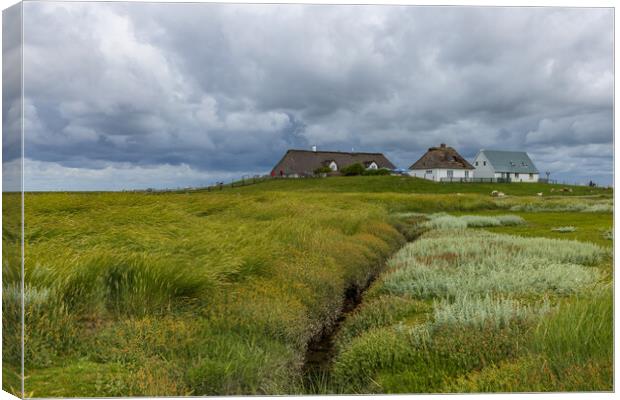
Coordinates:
[323,170]
[374,172]
[353,169]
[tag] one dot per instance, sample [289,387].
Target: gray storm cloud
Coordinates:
[149,94]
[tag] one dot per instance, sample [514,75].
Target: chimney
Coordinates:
[443,145]
[314,148]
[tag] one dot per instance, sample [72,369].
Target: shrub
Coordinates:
[353,169]
[323,170]
[374,172]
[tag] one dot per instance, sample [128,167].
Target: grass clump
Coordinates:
[480,311]
[608,234]
[445,221]
[564,229]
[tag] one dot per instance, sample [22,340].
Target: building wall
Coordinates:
[436,174]
[482,170]
[524,177]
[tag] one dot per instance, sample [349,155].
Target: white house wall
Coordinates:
[482,170]
[438,173]
[524,177]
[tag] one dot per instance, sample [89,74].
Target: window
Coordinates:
[531,176]
[484,163]
[516,174]
[450,173]
[476,163]
[466,174]
[429,171]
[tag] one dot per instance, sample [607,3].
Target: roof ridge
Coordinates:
[334,151]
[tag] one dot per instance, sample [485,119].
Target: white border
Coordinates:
[507,3]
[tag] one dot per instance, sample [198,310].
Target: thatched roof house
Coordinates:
[441,163]
[441,157]
[305,162]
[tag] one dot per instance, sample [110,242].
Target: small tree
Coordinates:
[353,169]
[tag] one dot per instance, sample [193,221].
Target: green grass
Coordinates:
[590,226]
[569,351]
[403,184]
[509,302]
[220,292]
[254,277]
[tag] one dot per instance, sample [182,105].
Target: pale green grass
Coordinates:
[479,311]
[445,221]
[564,229]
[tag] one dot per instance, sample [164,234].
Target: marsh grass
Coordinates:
[568,351]
[219,293]
[489,299]
[201,294]
[446,221]
[564,229]
[586,205]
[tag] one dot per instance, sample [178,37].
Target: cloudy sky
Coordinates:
[135,95]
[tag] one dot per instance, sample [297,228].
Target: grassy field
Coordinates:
[221,292]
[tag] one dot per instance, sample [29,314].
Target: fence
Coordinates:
[476,180]
[245,180]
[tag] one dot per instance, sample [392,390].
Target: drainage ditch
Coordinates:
[321,349]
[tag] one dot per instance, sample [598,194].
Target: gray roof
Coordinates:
[510,161]
[304,162]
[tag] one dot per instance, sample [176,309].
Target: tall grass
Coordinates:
[445,221]
[480,311]
[220,293]
[579,331]
[484,295]
[563,205]
[570,350]
[247,279]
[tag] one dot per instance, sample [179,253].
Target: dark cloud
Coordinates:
[11,99]
[226,89]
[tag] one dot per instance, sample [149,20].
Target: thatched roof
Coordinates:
[441,157]
[304,162]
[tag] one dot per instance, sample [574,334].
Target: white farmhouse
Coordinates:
[515,166]
[442,163]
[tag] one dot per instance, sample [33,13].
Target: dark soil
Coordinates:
[321,350]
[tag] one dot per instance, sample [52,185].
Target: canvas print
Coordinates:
[265,199]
